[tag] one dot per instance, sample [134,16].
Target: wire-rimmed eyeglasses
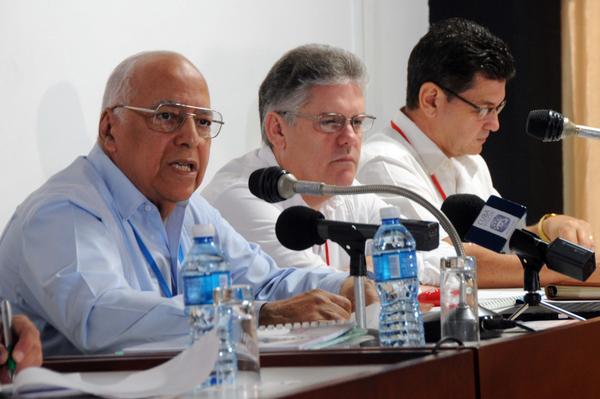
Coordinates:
[332,122]
[167,117]
[482,112]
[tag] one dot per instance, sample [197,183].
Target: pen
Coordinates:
[6,314]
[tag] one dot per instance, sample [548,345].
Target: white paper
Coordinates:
[174,377]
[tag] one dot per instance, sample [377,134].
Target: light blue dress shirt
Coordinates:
[70,261]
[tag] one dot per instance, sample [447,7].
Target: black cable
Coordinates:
[438,345]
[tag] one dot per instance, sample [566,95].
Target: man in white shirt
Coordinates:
[312,111]
[456,88]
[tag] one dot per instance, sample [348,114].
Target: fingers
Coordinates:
[585,238]
[313,305]
[323,305]
[370,293]
[570,229]
[340,301]
[28,348]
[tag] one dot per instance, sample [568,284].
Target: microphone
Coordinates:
[497,225]
[274,184]
[548,126]
[300,227]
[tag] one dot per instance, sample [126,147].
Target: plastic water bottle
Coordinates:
[203,270]
[395,262]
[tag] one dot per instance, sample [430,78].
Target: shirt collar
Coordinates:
[431,156]
[126,197]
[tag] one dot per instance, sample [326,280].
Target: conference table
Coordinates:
[563,361]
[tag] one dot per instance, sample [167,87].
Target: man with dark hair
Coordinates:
[457,75]
[313,118]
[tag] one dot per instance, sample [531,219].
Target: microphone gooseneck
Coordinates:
[275,184]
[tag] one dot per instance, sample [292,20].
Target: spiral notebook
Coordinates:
[300,336]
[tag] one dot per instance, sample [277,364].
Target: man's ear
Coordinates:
[430,96]
[274,130]
[106,138]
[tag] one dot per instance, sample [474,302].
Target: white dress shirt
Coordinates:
[388,158]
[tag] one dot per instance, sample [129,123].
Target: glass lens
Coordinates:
[331,123]
[362,123]
[167,118]
[203,119]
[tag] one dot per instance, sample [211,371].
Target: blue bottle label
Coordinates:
[198,290]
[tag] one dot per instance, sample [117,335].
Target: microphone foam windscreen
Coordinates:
[545,125]
[263,183]
[462,210]
[296,228]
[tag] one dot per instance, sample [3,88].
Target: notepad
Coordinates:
[300,336]
[572,292]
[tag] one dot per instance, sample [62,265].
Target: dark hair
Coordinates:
[450,55]
[288,83]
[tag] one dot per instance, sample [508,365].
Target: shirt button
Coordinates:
[147,208]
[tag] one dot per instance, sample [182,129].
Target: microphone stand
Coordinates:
[531,285]
[354,245]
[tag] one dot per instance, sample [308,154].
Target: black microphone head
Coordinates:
[263,183]
[296,228]
[462,210]
[545,125]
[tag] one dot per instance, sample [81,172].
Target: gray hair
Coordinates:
[287,85]
[119,89]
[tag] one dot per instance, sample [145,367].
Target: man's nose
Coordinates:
[187,133]
[492,122]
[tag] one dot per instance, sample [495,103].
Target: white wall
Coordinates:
[55,57]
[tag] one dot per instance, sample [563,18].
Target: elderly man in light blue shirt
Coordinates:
[72,255]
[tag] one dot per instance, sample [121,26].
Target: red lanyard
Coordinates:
[327,253]
[434,179]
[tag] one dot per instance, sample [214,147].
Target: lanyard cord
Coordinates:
[434,179]
[164,287]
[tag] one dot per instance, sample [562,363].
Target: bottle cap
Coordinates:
[203,230]
[389,212]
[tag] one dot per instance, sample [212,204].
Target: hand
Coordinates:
[571,229]
[347,290]
[310,306]
[28,348]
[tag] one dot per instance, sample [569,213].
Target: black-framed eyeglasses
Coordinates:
[167,117]
[332,122]
[482,112]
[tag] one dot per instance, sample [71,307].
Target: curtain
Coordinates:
[581,103]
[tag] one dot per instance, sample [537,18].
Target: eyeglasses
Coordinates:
[482,112]
[332,122]
[168,117]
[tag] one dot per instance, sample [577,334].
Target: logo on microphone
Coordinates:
[500,223]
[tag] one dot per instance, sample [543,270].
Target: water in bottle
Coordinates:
[203,270]
[395,262]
